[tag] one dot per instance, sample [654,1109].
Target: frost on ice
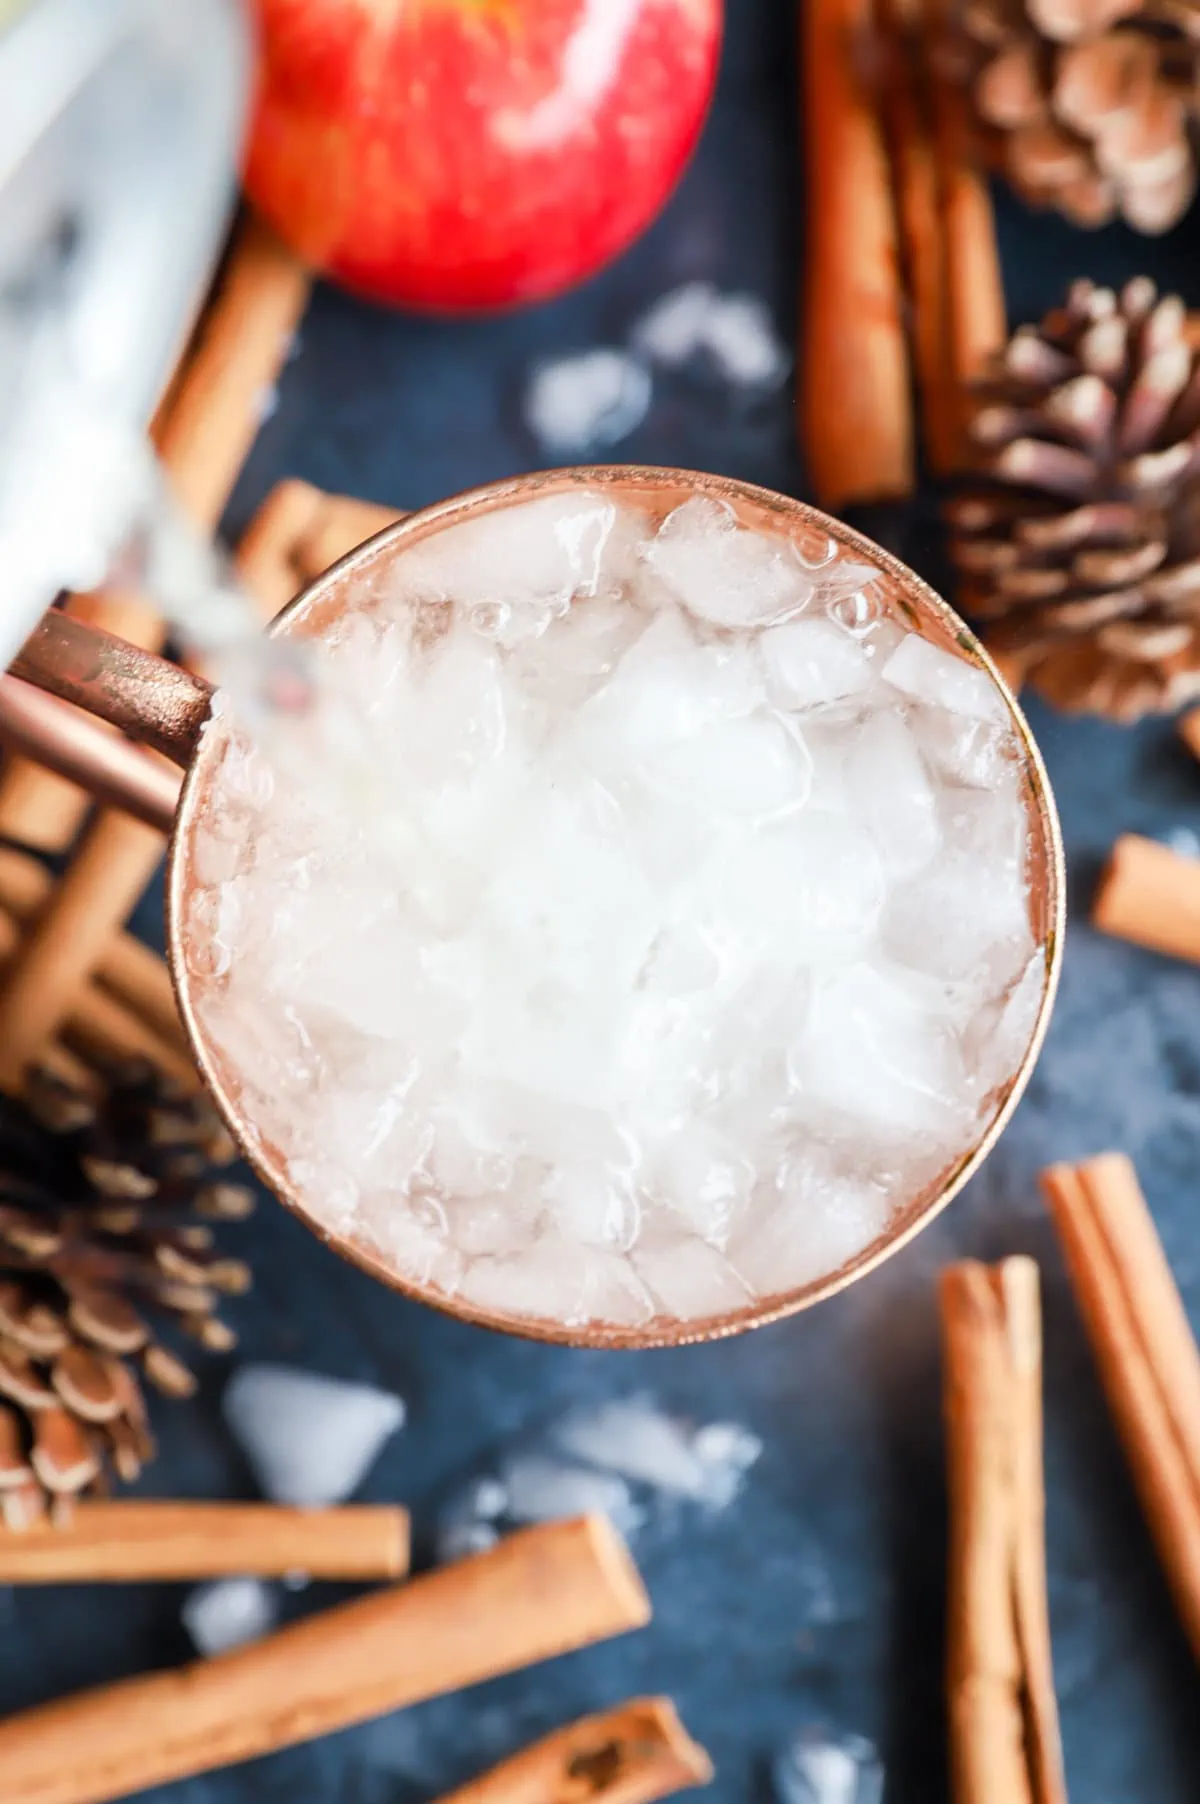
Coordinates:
[670,933]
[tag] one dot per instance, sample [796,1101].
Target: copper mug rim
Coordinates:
[173,720]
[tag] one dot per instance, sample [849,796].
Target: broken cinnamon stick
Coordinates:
[855,399]
[203,434]
[1151,896]
[540,1593]
[631,1755]
[1004,1735]
[1144,1350]
[297,533]
[134,1542]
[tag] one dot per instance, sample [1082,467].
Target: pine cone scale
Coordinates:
[95,1239]
[1083,557]
[1086,107]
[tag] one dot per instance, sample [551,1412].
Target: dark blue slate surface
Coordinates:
[821,1598]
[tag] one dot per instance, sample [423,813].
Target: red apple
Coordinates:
[464,154]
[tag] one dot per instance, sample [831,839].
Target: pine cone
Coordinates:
[1079,547]
[95,1201]
[1088,105]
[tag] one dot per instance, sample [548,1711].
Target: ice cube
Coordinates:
[812,663]
[578,404]
[633,1436]
[593,1205]
[614,1295]
[723,574]
[816,878]
[309,1440]
[689,1278]
[523,562]
[681,961]
[229,1613]
[806,1224]
[457,716]
[548,1281]
[752,768]
[744,344]
[734,331]
[674,328]
[928,673]
[960,916]
[486,1225]
[821,1768]
[410,1232]
[636,1438]
[974,752]
[726,1450]
[703,1178]
[573,657]
[461,1540]
[997,1039]
[543,1489]
[873,1060]
[665,688]
[888,789]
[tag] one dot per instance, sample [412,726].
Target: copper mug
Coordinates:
[163,706]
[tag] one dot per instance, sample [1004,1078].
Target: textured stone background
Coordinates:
[820,1599]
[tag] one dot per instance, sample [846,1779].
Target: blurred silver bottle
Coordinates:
[120,124]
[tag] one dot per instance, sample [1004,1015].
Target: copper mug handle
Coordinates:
[151,700]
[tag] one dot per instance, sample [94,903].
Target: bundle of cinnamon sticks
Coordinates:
[903,299]
[1003,1717]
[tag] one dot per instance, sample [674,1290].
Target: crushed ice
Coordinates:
[676,934]
[587,402]
[820,1768]
[618,1458]
[228,1613]
[733,332]
[308,1440]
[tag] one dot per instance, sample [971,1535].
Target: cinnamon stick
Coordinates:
[976,316]
[297,533]
[540,1593]
[111,867]
[134,1542]
[1150,895]
[129,970]
[918,205]
[631,1755]
[203,434]
[100,1028]
[855,400]
[1004,1734]
[1145,1352]
[1189,731]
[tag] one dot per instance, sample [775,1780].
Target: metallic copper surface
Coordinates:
[147,697]
[118,774]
